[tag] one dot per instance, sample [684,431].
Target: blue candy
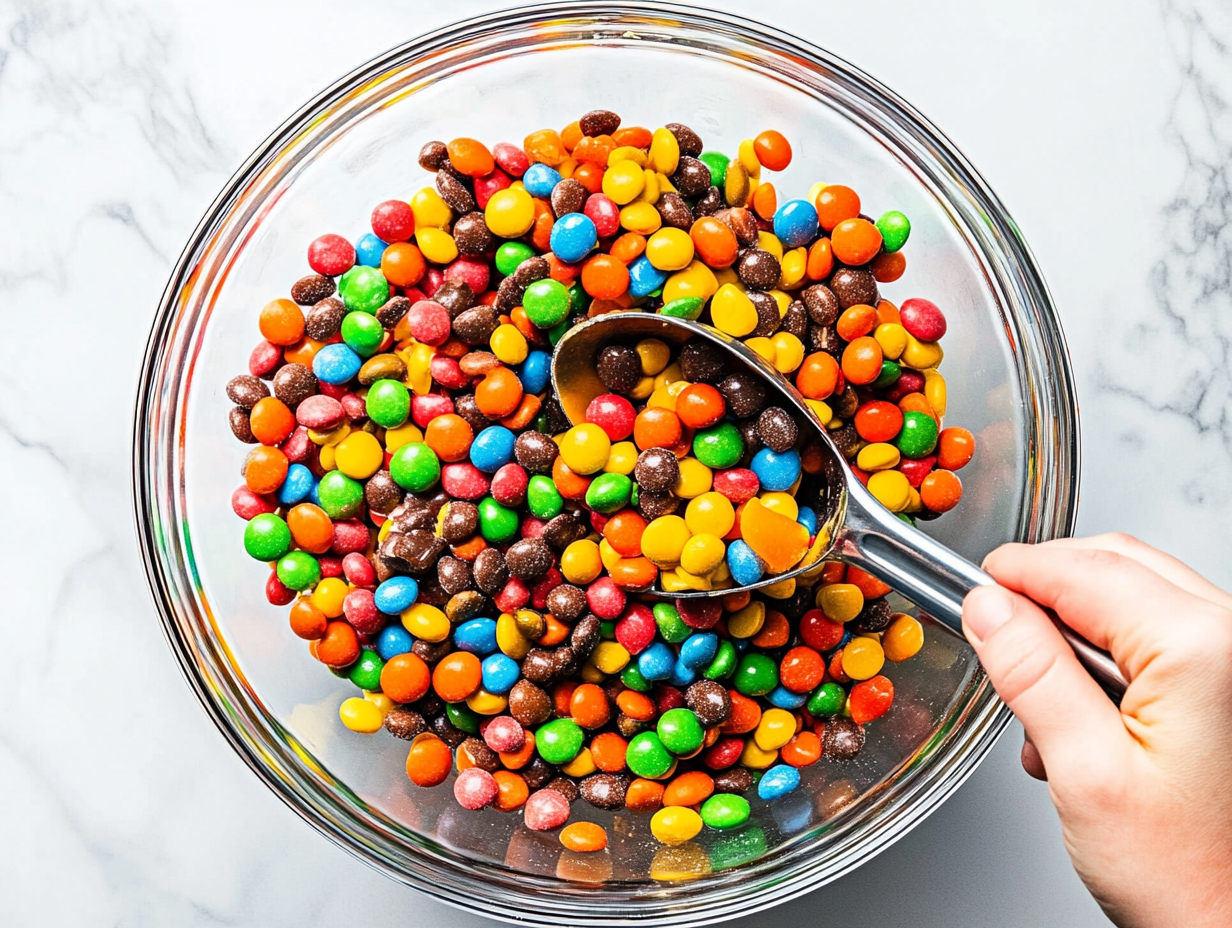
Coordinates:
[795,223]
[793,814]
[500,672]
[477,636]
[297,485]
[778,781]
[394,640]
[534,372]
[540,180]
[645,278]
[745,566]
[740,644]
[699,649]
[776,471]
[492,448]
[313,496]
[336,363]
[808,518]
[573,235]
[784,698]
[397,594]
[657,662]
[683,674]
[368,250]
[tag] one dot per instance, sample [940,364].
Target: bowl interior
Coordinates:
[498,79]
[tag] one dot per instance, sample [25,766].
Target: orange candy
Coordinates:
[541,232]
[775,631]
[818,376]
[856,321]
[590,176]
[281,322]
[715,242]
[699,405]
[568,484]
[512,791]
[471,157]
[405,678]
[594,150]
[265,469]
[402,264]
[637,706]
[765,201]
[772,150]
[571,135]
[271,421]
[802,750]
[917,402]
[311,528]
[745,714]
[302,352]
[628,247]
[338,647]
[623,532]
[546,146]
[429,761]
[941,490]
[655,427]
[632,137]
[955,448]
[562,698]
[516,760]
[633,573]
[307,621]
[450,436]
[820,260]
[688,789]
[527,409]
[457,676]
[559,270]
[888,267]
[608,752]
[583,837]
[557,631]
[605,277]
[855,241]
[869,585]
[644,796]
[836,203]
[499,393]
[862,360]
[888,312]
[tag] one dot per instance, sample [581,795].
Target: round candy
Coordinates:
[745,566]
[614,414]
[645,278]
[415,467]
[363,289]
[475,788]
[497,523]
[757,674]
[545,809]
[511,254]
[795,223]
[369,249]
[394,640]
[540,180]
[492,449]
[585,448]
[647,757]
[559,741]
[336,364]
[510,213]
[725,810]
[500,673]
[674,825]
[388,403]
[918,437]
[721,447]
[366,674]
[546,302]
[573,236]
[535,372]
[266,537]
[609,492]
[778,781]
[894,227]
[478,636]
[680,732]
[331,255]
[298,570]
[340,496]
[776,472]
[657,662]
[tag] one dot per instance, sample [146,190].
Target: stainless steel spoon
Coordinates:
[852,526]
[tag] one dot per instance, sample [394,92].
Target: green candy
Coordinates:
[388,403]
[543,499]
[579,299]
[906,517]
[557,332]
[496,523]
[298,570]
[685,307]
[757,675]
[646,756]
[671,627]
[608,493]
[462,717]
[918,437]
[366,672]
[546,303]
[739,848]
[724,662]
[363,289]
[607,629]
[266,537]
[680,731]
[633,679]
[725,810]
[362,333]
[719,446]
[510,255]
[415,467]
[827,700]
[890,372]
[717,162]
[340,496]
[894,228]
[559,741]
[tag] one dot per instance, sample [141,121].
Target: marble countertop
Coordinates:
[1105,126]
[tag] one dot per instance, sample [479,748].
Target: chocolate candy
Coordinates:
[391,313]
[461,522]
[294,383]
[566,602]
[604,790]
[702,362]
[312,289]
[692,177]
[433,155]
[599,122]
[777,430]
[324,320]
[689,141]
[853,286]
[745,394]
[842,739]
[241,427]
[758,269]
[490,570]
[529,704]
[619,368]
[821,304]
[536,452]
[245,391]
[709,701]
[405,724]
[735,780]
[657,470]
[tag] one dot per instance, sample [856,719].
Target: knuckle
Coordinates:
[1120,541]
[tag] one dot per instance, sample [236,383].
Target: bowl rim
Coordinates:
[992,715]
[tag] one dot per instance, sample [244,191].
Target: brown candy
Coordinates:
[825,338]
[565,529]
[599,122]
[456,296]
[847,440]
[482,755]
[568,196]
[743,223]
[846,404]
[585,636]
[653,505]
[745,394]
[294,383]
[461,521]
[490,571]
[454,575]
[325,319]
[821,304]
[566,602]
[472,235]
[312,289]
[795,320]
[629,727]
[529,559]
[759,269]
[386,366]
[246,391]
[475,326]
[432,155]
[529,704]
[874,617]
[537,772]
[777,430]
[702,362]
[538,666]
[464,606]
[842,739]
[768,318]
[381,493]
[565,662]
[391,313]
[674,211]
[854,286]
[657,470]
[710,702]
[530,270]
[405,724]
[445,730]
[710,203]
[417,551]
[689,141]
[564,786]
[619,368]
[241,427]
[733,780]
[465,407]
[536,452]
[454,192]
[750,436]
[692,177]
[604,790]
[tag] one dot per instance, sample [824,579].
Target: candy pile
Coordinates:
[449,543]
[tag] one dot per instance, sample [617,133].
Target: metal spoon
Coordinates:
[852,526]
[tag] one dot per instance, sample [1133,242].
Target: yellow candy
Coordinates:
[437,245]
[327,458]
[580,562]
[510,213]
[711,513]
[781,590]
[426,622]
[934,391]
[627,153]
[675,824]
[677,864]
[733,312]
[623,181]
[383,532]
[585,448]
[670,249]
[728,275]
[721,574]
[821,410]
[509,639]
[608,555]
[431,212]
[768,241]
[567,167]
[783,503]
[914,503]
[332,437]
[622,459]
[508,344]
[644,388]
[328,596]
[921,355]
[701,554]
[695,280]
[691,581]
[402,435]
[359,455]
[654,355]
[892,338]
[641,218]
[776,728]
[581,766]
[841,602]
[755,758]
[610,657]
[788,352]
[903,638]
[695,478]
[485,703]
[747,153]
[815,190]
[762,346]
[362,716]
[380,700]
[664,539]
[748,621]
[891,489]
[419,368]
[669,374]
[879,455]
[863,658]
[592,674]
[793,267]
[651,189]
[664,152]
[783,300]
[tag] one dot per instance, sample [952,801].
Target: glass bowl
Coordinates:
[498,77]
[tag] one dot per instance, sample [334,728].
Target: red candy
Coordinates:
[511,159]
[604,213]
[330,566]
[350,536]
[908,382]
[354,408]
[819,632]
[605,598]
[429,322]
[738,484]
[358,570]
[636,628]
[871,699]
[509,485]
[513,596]
[464,481]
[489,184]
[248,505]
[431,282]
[504,735]
[446,372]
[551,580]
[265,358]
[667,698]
[700,613]
[923,319]
[723,753]
[320,413]
[297,446]
[878,421]
[916,470]
[331,255]
[473,271]
[429,406]
[393,221]
[276,592]
[545,810]
[361,611]
[614,414]
[475,788]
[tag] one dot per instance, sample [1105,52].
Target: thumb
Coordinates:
[1066,715]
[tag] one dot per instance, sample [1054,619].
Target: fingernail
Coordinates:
[986,609]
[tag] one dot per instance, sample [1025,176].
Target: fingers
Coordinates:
[1031,760]
[1067,717]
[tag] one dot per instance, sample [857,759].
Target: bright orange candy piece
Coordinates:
[605,277]
[632,137]
[836,203]
[803,750]
[571,135]
[888,267]
[588,706]
[265,469]
[623,532]
[744,717]
[820,260]
[655,427]
[307,621]
[955,448]
[338,647]
[941,490]
[818,376]
[402,264]
[715,242]
[689,789]
[855,241]
[557,631]
[450,436]
[856,321]
[302,352]
[801,669]
[765,201]
[546,146]
[862,360]
[584,837]
[608,752]
[779,541]
[516,760]
[633,573]
[405,678]
[637,706]
[772,150]
[471,157]
[590,176]
[869,585]
[628,247]
[281,322]
[499,393]
[644,796]
[700,405]
[457,676]
[429,761]
[594,150]
[568,484]
[512,791]
[775,631]
[311,528]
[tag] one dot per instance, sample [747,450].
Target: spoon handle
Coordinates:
[936,579]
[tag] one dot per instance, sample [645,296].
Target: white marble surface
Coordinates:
[1104,126]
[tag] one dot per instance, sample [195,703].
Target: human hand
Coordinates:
[1144,793]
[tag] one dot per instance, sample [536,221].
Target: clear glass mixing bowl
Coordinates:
[497,77]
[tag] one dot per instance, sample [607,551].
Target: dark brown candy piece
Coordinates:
[430,592]
[599,122]
[566,602]
[509,294]
[429,705]
[432,155]
[759,269]
[689,141]
[619,368]
[294,383]
[312,289]
[674,211]
[454,192]
[568,196]
[412,515]
[842,739]
[381,493]
[475,326]
[472,235]
[825,338]
[382,567]
[464,606]
[751,437]
[556,419]
[565,662]
[536,452]
[529,704]
[241,427]
[847,440]
[387,366]
[733,780]
[538,666]
[709,701]
[702,362]
[585,636]
[465,407]
[821,304]
[529,559]
[418,550]
[530,270]
[846,403]
[564,529]
[445,730]
[246,391]
[692,177]
[798,603]
[657,470]
[456,296]
[537,772]
[875,616]
[564,786]
[461,522]
[604,790]
[391,313]
[482,755]
[795,320]
[653,505]
[629,727]
[710,203]
[854,286]
[777,429]
[768,317]
[448,168]
[490,571]
[454,575]
[406,724]
[745,394]
[744,224]
[324,320]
